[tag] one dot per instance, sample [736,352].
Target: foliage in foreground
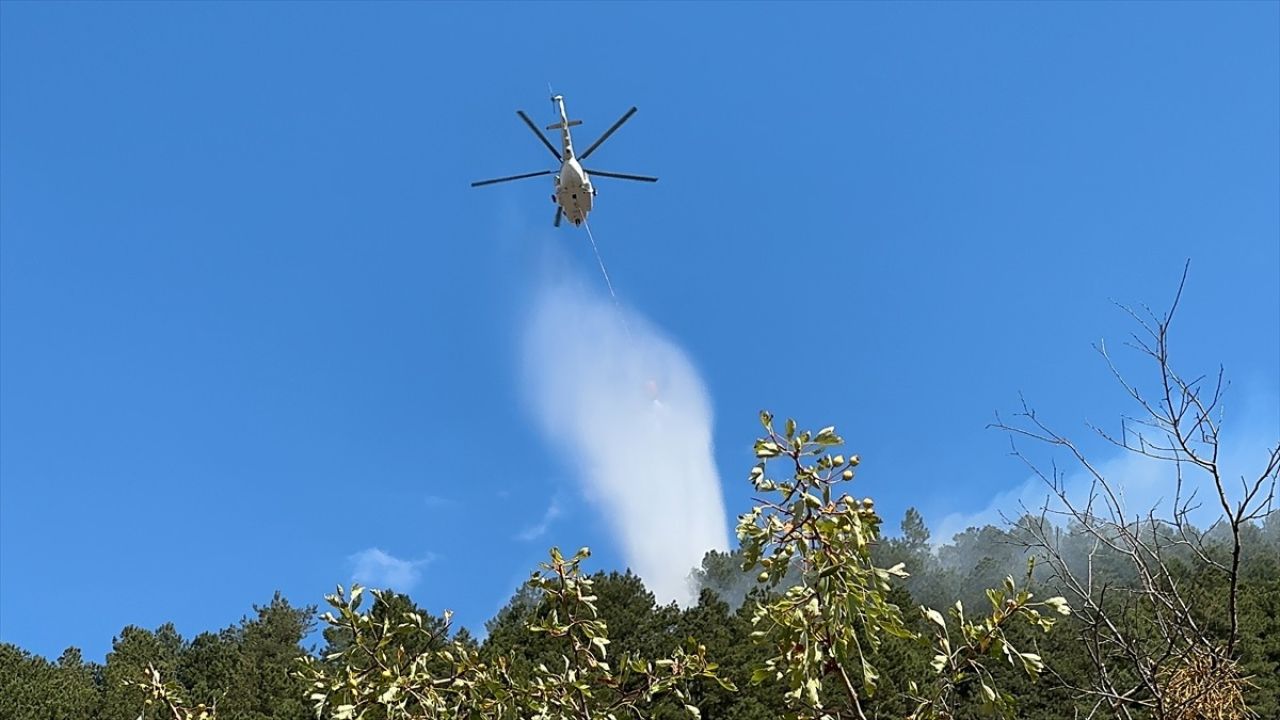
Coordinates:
[831,625]
[258,655]
[823,625]
[374,677]
[826,628]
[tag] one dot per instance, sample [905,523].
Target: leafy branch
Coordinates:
[373,677]
[831,624]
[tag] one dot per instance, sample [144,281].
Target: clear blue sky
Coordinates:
[255,321]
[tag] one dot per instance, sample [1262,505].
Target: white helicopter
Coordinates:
[574,192]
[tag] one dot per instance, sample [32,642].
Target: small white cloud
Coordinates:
[375,568]
[533,532]
[436,501]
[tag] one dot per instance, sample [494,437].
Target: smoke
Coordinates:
[628,409]
[1141,483]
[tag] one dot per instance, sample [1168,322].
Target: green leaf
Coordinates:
[935,617]
[870,678]
[1000,645]
[1032,663]
[1059,605]
[812,685]
[827,436]
[988,693]
[767,449]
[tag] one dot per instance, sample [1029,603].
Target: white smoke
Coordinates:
[1141,483]
[629,410]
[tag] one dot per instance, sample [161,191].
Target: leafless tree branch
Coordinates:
[1179,423]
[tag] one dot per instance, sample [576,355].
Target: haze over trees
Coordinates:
[248,669]
[1083,607]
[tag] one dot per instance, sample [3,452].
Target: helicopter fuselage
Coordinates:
[574,192]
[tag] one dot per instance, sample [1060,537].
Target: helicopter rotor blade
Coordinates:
[606,134]
[559,214]
[538,132]
[621,176]
[512,177]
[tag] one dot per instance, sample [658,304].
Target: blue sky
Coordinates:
[256,330]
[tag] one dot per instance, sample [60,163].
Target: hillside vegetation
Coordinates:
[1083,608]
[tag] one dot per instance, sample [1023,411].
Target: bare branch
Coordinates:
[1180,424]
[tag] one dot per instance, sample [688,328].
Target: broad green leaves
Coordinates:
[821,623]
[372,677]
[959,656]
[830,626]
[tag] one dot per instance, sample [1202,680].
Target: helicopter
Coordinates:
[574,194]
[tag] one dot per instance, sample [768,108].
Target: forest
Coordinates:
[1082,608]
[250,670]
